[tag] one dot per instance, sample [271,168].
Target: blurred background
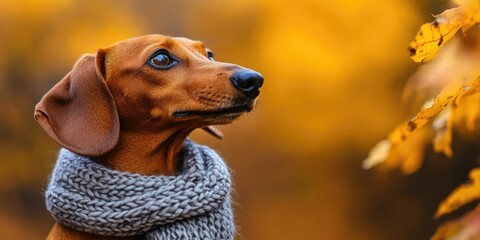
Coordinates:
[334,72]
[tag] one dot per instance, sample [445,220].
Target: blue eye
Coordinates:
[162,60]
[210,56]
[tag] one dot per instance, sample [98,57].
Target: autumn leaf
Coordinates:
[432,36]
[453,92]
[429,115]
[462,195]
[404,131]
[407,155]
[426,114]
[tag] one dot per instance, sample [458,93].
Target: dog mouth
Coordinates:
[233,111]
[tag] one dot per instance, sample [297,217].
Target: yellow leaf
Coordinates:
[464,228]
[461,195]
[409,154]
[432,36]
[444,98]
[406,155]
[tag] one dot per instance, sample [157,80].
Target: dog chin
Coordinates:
[227,118]
[228,113]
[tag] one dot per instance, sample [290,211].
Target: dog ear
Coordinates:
[79,112]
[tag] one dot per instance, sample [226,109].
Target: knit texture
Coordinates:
[195,204]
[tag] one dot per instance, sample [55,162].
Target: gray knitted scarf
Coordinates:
[195,204]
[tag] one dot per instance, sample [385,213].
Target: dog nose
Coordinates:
[247,81]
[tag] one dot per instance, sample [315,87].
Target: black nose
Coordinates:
[247,81]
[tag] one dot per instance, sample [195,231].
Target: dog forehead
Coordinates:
[138,44]
[198,45]
[144,46]
[157,39]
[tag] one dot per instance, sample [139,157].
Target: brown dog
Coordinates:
[132,105]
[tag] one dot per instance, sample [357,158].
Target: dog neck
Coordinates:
[147,153]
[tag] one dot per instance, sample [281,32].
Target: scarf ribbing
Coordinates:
[195,204]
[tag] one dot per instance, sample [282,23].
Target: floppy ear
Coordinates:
[79,112]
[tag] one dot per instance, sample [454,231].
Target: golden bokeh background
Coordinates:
[334,73]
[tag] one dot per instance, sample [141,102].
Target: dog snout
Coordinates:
[248,82]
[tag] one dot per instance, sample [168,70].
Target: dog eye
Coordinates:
[162,60]
[210,56]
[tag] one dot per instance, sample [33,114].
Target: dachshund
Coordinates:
[131,105]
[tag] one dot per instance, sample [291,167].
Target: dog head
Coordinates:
[145,84]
